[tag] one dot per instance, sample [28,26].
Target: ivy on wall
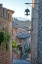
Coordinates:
[1,37]
[4,38]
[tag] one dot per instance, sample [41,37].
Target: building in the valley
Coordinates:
[26,23]
[20,26]
[6,22]
[14,30]
[23,41]
[20,33]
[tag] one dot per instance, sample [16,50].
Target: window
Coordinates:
[19,40]
[3,12]
[6,14]
[12,32]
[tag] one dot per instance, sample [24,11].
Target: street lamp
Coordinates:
[27,11]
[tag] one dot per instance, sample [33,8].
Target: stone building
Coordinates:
[6,22]
[23,41]
[16,28]
[36,33]
[20,26]
[26,23]
[21,35]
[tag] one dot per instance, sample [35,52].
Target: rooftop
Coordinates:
[22,35]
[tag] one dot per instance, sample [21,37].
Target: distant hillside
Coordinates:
[21,18]
[24,23]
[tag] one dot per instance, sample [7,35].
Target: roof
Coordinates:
[22,35]
[24,23]
[19,25]
[14,24]
[9,10]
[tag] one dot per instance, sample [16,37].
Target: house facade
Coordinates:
[19,34]
[36,33]
[6,22]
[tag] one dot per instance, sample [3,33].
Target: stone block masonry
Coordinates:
[39,43]
[4,56]
[6,21]
[34,32]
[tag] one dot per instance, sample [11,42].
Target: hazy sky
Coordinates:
[18,6]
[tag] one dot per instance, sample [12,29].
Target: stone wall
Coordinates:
[5,56]
[39,43]
[34,32]
[15,31]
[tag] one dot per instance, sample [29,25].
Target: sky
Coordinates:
[18,6]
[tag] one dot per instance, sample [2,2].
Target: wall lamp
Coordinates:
[27,11]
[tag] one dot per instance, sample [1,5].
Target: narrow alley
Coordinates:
[20,61]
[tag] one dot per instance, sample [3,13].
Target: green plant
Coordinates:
[27,48]
[5,37]
[14,44]
[7,46]
[21,53]
[1,37]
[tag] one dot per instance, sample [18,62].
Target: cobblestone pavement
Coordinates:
[20,61]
